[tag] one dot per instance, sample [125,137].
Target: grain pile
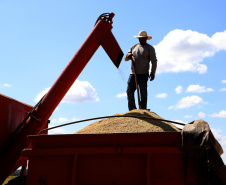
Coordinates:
[129,124]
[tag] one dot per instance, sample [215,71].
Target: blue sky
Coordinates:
[38,39]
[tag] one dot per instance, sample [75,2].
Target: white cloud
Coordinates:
[222,89]
[57,130]
[163,95]
[181,51]
[41,94]
[179,89]
[177,125]
[6,85]
[221,114]
[170,107]
[201,115]
[217,134]
[221,139]
[188,116]
[189,101]
[198,89]
[80,92]
[179,121]
[59,120]
[121,95]
[223,156]
[75,119]
[223,81]
[219,40]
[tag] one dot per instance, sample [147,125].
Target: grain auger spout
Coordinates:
[100,35]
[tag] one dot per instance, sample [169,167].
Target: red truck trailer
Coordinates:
[124,158]
[132,158]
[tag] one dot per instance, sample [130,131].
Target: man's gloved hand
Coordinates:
[152,76]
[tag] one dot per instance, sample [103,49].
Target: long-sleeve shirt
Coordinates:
[142,55]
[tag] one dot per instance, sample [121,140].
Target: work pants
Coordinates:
[131,87]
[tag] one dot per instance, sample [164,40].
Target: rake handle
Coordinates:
[135,74]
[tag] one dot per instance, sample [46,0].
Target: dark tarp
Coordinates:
[198,142]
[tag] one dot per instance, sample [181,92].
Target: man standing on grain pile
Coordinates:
[141,53]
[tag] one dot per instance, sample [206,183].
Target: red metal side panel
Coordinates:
[136,158]
[106,140]
[12,112]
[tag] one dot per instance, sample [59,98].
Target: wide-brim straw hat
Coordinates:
[143,34]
